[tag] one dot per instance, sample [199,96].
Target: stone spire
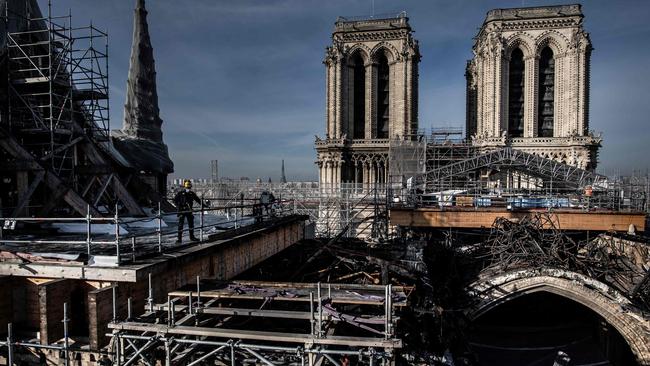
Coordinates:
[141,113]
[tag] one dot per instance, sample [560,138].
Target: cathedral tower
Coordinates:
[528,84]
[372,84]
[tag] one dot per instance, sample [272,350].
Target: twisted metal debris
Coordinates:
[537,241]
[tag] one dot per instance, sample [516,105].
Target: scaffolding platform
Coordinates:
[294,323]
[299,292]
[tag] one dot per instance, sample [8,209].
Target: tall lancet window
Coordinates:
[546,93]
[516,94]
[359,97]
[383,101]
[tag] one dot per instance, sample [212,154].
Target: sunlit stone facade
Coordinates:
[372,76]
[528,84]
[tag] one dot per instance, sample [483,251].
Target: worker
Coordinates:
[184,200]
[267,199]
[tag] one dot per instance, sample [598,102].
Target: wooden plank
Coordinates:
[127,199]
[88,185]
[340,293]
[61,148]
[99,194]
[18,164]
[336,298]
[24,199]
[22,184]
[68,271]
[100,313]
[71,197]
[120,190]
[484,218]
[6,302]
[56,194]
[281,337]
[281,314]
[53,182]
[52,295]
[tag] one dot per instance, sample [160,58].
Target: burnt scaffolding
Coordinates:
[57,76]
[55,129]
[295,324]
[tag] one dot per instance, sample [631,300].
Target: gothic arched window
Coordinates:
[516,94]
[358,97]
[546,93]
[383,101]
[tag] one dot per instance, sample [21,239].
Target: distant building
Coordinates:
[283,178]
[372,78]
[528,84]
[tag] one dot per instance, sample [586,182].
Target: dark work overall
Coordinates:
[184,200]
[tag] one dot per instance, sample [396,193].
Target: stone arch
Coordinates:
[355,86]
[553,39]
[565,158]
[610,304]
[389,50]
[522,41]
[360,49]
[382,96]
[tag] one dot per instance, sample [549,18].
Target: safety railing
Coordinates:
[477,197]
[127,244]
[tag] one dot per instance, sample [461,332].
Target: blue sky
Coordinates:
[243,81]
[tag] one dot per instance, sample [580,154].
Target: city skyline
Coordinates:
[252,92]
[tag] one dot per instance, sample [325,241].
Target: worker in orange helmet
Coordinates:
[184,201]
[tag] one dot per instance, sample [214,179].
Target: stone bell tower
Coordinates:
[372,86]
[528,84]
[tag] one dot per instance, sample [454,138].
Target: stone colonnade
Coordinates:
[361,171]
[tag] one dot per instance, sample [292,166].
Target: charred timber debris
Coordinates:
[441,267]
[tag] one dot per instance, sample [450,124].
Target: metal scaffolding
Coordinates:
[563,175]
[353,209]
[295,324]
[54,129]
[57,80]
[407,160]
